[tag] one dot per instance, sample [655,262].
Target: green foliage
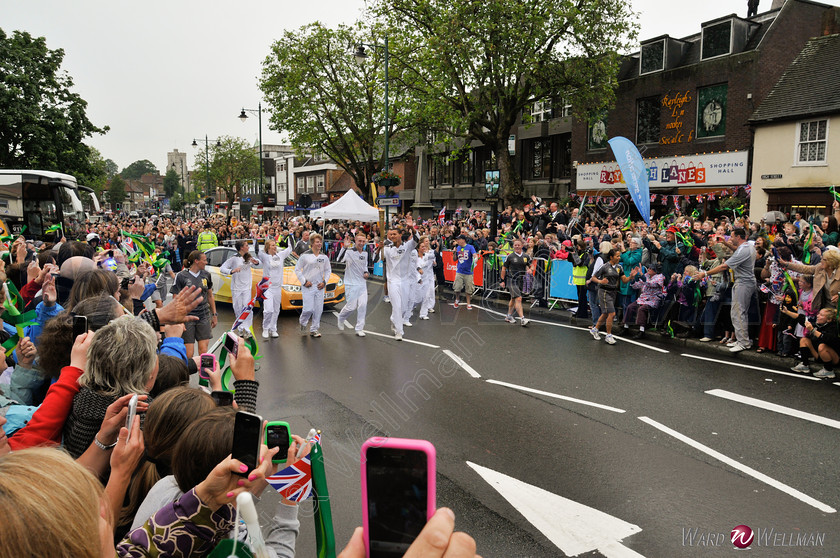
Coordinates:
[111,168]
[137,169]
[328,102]
[232,162]
[474,67]
[116,191]
[42,123]
[176,202]
[171,182]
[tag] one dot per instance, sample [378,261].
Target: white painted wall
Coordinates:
[776,153]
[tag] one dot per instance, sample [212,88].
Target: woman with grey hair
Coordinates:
[122,359]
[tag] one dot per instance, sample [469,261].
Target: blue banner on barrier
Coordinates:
[377,269]
[561,281]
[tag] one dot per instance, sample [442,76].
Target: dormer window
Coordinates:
[652,58]
[717,40]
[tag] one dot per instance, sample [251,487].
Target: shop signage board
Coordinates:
[699,170]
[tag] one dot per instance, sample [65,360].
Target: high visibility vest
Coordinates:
[579,275]
[207,240]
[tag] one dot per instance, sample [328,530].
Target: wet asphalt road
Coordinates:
[615,458]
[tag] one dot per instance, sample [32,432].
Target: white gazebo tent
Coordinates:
[349,206]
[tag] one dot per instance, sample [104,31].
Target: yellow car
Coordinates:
[291,297]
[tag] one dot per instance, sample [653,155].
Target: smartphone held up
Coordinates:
[398,493]
[247,437]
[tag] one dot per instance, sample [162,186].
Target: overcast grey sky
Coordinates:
[162,72]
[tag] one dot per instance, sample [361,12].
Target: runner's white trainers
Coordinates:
[595,334]
[609,339]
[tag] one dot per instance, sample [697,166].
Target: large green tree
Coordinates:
[233,162]
[42,122]
[137,169]
[116,192]
[475,67]
[328,102]
[171,182]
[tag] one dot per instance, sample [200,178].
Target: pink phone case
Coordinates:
[398,443]
[201,373]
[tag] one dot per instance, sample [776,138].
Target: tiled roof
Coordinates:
[809,86]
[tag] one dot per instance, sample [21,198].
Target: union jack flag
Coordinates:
[748,189]
[442,215]
[295,482]
[653,198]
[262,287]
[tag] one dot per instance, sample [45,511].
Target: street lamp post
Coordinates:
[206,159]
[360,55]
[243,117]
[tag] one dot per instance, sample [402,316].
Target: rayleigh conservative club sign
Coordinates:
[712,169]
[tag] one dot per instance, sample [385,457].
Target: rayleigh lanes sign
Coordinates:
[712,169]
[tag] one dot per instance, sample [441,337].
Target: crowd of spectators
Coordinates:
[74,481]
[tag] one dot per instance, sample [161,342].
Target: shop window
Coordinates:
[536,156]
[711,111]
[811,143]
[717,39]
[652,58]
[647,120]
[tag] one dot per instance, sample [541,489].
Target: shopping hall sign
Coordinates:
[708,169]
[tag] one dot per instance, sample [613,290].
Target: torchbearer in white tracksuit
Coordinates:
[272,261]
[424,289]
[313,270]
[239,269]
[356,272]
[401,277]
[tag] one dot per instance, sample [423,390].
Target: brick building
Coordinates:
[686,102]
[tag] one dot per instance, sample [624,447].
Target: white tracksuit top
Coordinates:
[240,281]
[398,261]
[356,265]
[273,265]
[312,268]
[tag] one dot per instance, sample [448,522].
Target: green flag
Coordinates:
[142,242]
[324,535]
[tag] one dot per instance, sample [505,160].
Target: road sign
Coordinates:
[382,201]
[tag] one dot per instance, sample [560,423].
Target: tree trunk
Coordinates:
[511,184]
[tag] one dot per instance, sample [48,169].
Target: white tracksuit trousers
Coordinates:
[426,296]
[240,300]
[313,306]
[271,308]
[356,300]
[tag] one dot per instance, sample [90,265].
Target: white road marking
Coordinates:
[741,467]
[573,527]
[460,362]
[774,407]
[586,329]
[404,339]
[556,396]
[346,322]
[739,364]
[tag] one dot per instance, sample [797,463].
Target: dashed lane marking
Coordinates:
[556,396]
[740,467]
[774,407]
[460,362]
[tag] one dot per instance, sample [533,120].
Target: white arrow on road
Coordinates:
[573,527]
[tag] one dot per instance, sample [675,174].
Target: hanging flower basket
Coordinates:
[386,179]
